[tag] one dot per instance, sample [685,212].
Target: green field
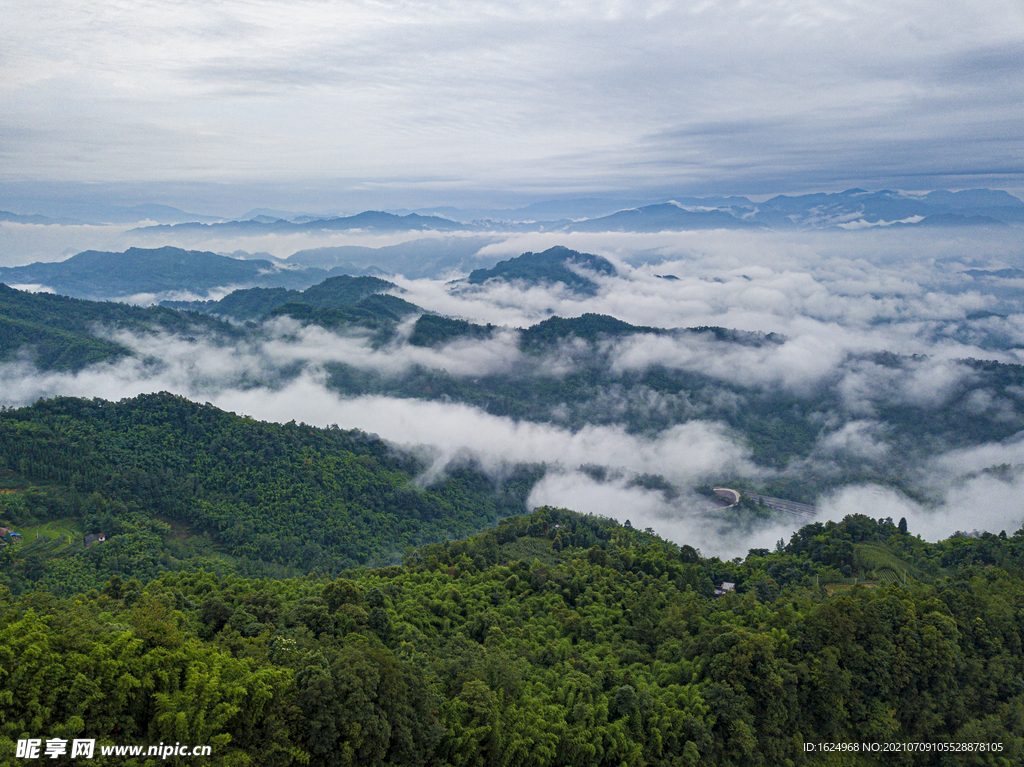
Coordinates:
[55,538]
[889,577]
[878,561]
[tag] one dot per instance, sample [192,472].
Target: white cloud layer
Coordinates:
[833,299]
[685,454]
[22,244]
[249,378]
[984,503]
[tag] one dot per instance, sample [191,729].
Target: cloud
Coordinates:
[975,488]
[250,380]
[972,460]
[33,288]
[687,519]
[22,244]
[288,342]
[554,96]
[979,503]
[681,453]
[836,300]
[923,383]
[764,281]
[861,439]
[798,365]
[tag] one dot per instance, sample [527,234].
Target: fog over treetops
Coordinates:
[603,382]
[862,371]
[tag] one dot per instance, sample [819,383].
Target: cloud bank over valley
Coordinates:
[838,369]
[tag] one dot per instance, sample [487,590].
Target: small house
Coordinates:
[94,538]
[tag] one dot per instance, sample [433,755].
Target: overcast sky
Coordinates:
[432,101]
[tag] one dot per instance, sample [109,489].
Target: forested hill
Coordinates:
[549,267]
[361,294]
[168,480]
[59,333]
[556,640]
[101,274]
[546,335]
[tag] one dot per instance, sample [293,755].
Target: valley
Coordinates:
[480,518]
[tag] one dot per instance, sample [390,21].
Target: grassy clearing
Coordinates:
[58,536]
[880,560]
[889,577]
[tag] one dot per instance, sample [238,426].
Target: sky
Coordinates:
[362,103]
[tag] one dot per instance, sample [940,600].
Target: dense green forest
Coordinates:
[179,485]
[359,295]
[378,312]
[60,333]
[553,639]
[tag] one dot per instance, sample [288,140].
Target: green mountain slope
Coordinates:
[362,297]
[551,266]
[433,330]
[249,303]
[342,291]
[554,640]
[60,333]
[101,274]
[291,497]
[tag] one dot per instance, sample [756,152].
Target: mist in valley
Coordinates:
[817,311]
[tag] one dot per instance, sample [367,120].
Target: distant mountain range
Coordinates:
[650,218]
[574,209]
[424,257]
[955,220]
[98,213]
[856,207]
[371,220]
[853,208]
[665,217]
[35,218]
